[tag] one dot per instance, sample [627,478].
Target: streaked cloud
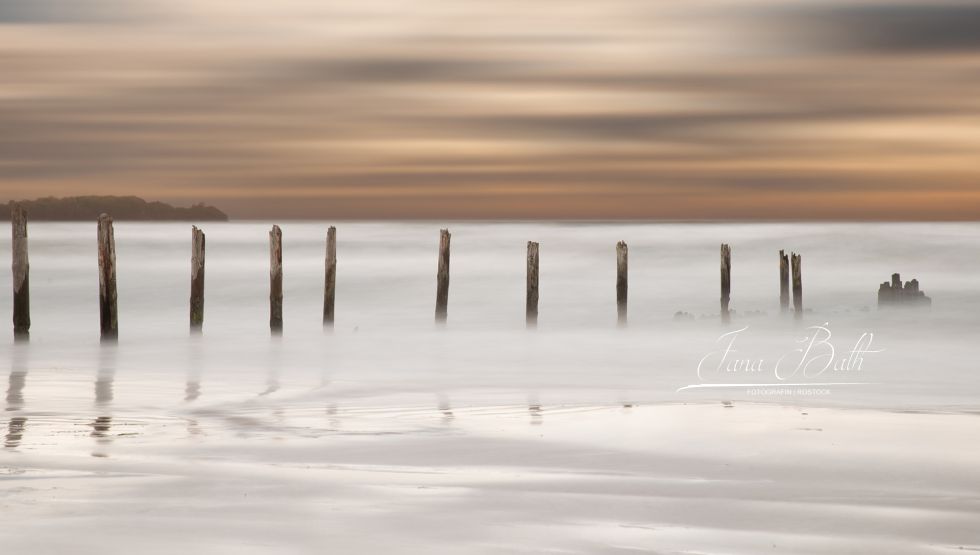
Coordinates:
[899,29]
[448,108]
[77,11]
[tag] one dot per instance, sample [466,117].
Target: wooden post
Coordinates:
[197,279]
[797,285]
[622,281]
[108,310]
[726,281]
[330,277]
[21,270]
[531,314]
[275,280]
[783,281]
[442,277]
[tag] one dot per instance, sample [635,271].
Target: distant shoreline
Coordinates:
[88,208]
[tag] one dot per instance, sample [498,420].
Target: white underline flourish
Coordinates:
[707,385]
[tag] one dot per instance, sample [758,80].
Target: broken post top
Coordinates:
[784,280]
[531,311]
[275,249]
[197,279]
[330,277]
[106,234]
[442,277]
[18,219]
[107,240]
[622,254]
[21,270]
[726,266]
[108,311]
[197,251]
[796,262]
[19,248]
[895,293]
[726,281]
[275,280]
[444,237]
[622,283]
[197,245]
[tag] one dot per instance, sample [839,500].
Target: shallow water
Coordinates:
[385,340]
[390,420]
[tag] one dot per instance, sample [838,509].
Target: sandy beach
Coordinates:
[277,475]
[392,434]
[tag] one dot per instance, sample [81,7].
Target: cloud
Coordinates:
[883,28]
[75,11]
[669,109]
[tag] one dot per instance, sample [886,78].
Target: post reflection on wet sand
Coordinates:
[195,367]
[275,360]
[15,395]
[103,389]
[104,381]
[537,417]
[333,421]
[15,432]
[18,377]
[445,407]
[193,427]
[15,389]
[534,409]
[192,391]
[101,431]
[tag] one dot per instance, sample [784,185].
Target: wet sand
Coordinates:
[389,434]
[306,475]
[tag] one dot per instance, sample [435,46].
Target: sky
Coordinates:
[503,109]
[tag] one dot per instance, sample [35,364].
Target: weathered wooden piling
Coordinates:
[21,271]
[532,284]
[783,281]
[108,310]
[330,277]
[895,294]
[726,281]
[797,263]
[275,280]
[622,280]
[442,277]
[197,279]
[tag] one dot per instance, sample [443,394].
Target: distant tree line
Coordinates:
[120,208]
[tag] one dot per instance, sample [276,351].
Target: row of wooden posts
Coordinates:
[785,261]
[109,313]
